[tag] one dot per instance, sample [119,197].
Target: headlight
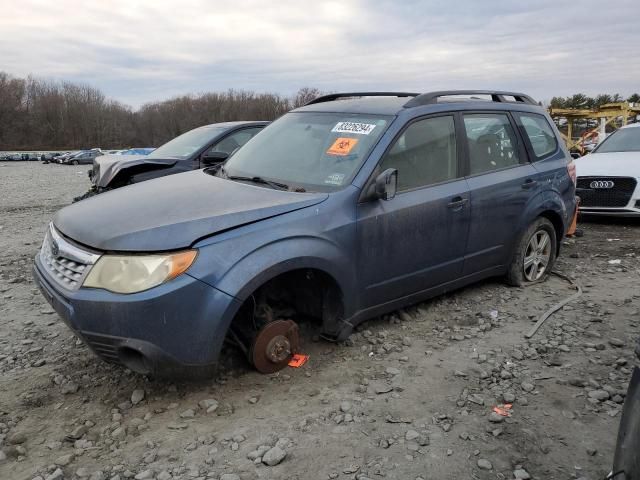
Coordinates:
[135,273]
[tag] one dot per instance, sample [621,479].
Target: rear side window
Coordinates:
[425,154]
[492,142]
[540,134]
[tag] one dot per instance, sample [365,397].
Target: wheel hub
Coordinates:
[278,349]
[274,345]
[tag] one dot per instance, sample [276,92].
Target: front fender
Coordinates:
[271,259]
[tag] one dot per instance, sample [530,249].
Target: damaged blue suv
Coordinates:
[349,207]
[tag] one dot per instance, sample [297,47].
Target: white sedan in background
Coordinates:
[609,177]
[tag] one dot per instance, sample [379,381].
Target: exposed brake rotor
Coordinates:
[274,345]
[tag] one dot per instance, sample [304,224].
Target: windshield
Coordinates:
[187,144]
[623,140]
[314,151]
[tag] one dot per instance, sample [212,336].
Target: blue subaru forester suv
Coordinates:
[349,207]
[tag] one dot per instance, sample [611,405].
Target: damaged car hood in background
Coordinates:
[108,166]
[173,212]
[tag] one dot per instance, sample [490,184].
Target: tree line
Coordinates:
[582,101]
[37,114]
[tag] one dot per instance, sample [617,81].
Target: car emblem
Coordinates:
[602,184]
[55,250]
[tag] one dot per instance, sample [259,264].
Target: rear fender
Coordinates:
[542,202]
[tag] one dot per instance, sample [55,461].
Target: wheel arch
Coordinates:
[323,285]
[547,204]
[558,226]
[277,260]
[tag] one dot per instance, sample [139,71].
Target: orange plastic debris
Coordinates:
[574,223]
[298,360]
[504,410]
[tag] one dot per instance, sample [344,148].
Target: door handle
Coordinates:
[457,203]
[529,183]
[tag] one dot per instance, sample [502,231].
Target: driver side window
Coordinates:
[424,154]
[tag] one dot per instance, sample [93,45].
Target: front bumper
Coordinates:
[174,329]
[633,210]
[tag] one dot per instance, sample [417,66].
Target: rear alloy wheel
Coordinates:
[535,254]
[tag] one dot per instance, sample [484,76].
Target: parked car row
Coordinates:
[80,157]
[75,157]
[24,157]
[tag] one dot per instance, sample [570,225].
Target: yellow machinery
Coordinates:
[616,114]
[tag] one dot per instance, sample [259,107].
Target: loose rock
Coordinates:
[137,396]
[274,456]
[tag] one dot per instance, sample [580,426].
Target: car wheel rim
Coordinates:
[537,255]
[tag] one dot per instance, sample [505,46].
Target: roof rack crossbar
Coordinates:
[496,96]
[335,96]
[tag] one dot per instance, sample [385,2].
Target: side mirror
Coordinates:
[213,158]
[387,184]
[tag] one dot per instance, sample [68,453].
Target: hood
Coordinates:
[172,212]
[613,164]
[106,167]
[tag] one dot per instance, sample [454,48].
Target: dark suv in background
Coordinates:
[350,207]
[197,148]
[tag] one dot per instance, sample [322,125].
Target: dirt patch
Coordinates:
[408,396]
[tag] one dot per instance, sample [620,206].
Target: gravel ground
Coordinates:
[409,396]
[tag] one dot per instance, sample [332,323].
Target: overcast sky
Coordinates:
[140,51]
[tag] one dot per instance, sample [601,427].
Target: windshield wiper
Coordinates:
[260,180]
[263,181]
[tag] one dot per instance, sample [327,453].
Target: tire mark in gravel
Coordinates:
[31,208]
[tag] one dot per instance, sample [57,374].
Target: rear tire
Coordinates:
[535,254]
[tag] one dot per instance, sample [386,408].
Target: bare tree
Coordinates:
[43,114]
[305,95]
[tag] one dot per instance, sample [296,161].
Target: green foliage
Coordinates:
[580,100]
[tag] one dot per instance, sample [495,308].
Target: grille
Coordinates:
[618,196]
[104,346]
[65,263]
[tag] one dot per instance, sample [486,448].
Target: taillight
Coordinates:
[571,169]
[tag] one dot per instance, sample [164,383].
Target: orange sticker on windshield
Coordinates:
[342,146]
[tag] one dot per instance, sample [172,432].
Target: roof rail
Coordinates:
[496,96]
[335,96]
